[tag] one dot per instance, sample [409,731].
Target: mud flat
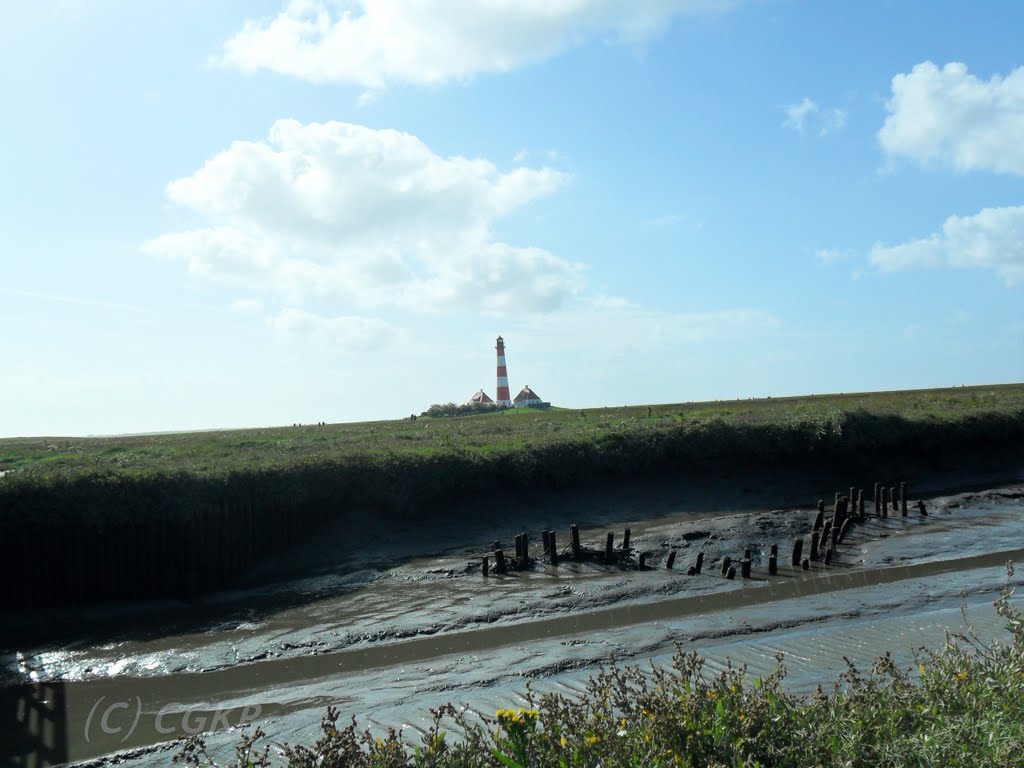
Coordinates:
[387,640]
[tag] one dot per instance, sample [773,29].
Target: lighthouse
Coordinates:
[504,398]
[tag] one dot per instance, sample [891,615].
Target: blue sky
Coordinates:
[242,214]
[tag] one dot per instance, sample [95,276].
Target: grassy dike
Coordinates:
[175,515]
[961,706]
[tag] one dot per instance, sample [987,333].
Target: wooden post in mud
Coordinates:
[819,521]
[845,529]
[726,564]
[878,499]
[700,562]
[524,560]
[806,564]
[643,561]
[798,550]
[519,545]
[499,561]
[625,540]
[885,501]
[921,509]
[552,548]
[546,537]
[860,505]
[691,571]
[671,560]
[903,499]
[608,547]
[834,539]
[815,538]
[895,500]
[828,555]
[731,573]
[773,560]
[485,565]
[745,564]
[574,534]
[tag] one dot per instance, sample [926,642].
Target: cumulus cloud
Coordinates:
[992,238]
[809,113]
[372,43]
[373,217]
[950,117]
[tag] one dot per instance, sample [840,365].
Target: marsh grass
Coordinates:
[961,705]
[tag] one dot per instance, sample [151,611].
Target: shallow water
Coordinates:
[387,643]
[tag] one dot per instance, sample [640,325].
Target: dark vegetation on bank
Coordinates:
[178,514]
[961,706]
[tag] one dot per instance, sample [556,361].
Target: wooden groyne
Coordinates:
[827,534]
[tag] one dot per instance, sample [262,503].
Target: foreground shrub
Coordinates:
[963,707]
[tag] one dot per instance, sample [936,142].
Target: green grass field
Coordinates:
[217,453]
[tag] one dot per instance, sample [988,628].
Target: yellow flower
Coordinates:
[564,743]
[593,739]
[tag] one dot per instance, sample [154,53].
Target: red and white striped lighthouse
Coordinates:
[504,396]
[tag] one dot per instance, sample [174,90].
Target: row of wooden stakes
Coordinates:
[826,535]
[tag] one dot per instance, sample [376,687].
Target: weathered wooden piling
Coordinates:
[545,536]
[845,529]
[828,555]
[885,501]
[819,521]
[643,561]
[815,539]
[745,567]
[821,505]
[499,561]
[699,564]
[519,545]
[485,565]
[834,537]
[903,499]
[731,573]
[574,534]
[895,500]
[921,508]
[806,564]
[671,560]
[773,561]
[552,548]
[691,571]
[798,549]
[625,540]
[608,547]
[726,564]
[878,499]
[524,559]
[860,505]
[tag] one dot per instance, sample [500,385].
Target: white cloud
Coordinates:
[619,322]
[831,255]
[246,305]
[796,114]
[372,217]
[992,238]
[372,43]
[808,112]
[348,332]
[950,117]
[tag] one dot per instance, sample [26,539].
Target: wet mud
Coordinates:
[417,625]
